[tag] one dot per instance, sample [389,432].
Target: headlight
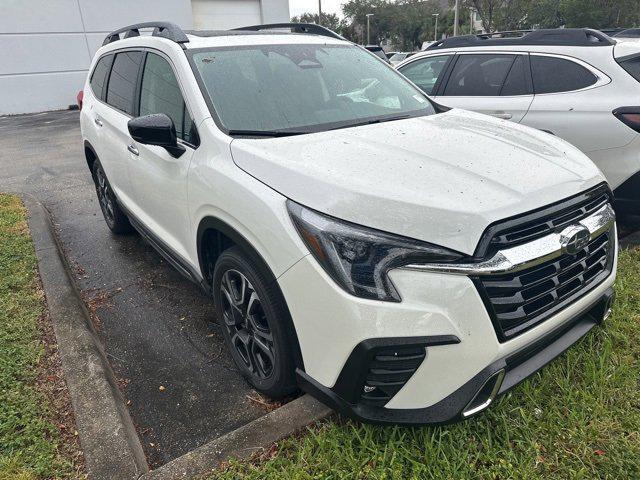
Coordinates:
[359,258]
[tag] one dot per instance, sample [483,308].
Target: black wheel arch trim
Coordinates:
[213,223]
[87,146]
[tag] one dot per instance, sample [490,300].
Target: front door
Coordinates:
[159,179]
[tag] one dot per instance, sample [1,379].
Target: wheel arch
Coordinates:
[214,236]
[90,155]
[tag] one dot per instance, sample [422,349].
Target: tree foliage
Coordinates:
[406,24]
[523,14]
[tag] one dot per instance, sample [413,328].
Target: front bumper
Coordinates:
[476,394]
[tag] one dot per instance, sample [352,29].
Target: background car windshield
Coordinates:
[304,87]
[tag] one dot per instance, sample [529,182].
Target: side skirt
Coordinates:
[166,251]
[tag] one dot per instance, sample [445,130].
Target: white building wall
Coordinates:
[46,46]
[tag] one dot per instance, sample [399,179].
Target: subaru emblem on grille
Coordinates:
[574,238]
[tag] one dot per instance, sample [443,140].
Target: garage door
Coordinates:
[224,14]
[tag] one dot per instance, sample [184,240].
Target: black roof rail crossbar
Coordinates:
[579,37]
[167,30]
[310,28]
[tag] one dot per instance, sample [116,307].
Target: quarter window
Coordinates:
[552,75]
[160,93]
[122,81]
[99,76]
[425,72]
[479,75]
[632,66]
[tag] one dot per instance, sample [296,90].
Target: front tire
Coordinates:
[254,322]
[115,218]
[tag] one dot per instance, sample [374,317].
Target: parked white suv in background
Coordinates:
[402,262]
[578,84]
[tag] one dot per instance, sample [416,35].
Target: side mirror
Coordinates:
[157,129]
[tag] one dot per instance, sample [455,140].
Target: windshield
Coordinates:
[303,88]
[398,57]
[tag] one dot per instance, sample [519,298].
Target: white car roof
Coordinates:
[223,39]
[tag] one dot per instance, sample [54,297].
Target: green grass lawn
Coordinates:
[29,440]
[577,419]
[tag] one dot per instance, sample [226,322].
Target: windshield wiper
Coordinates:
[265,133]
[375,120]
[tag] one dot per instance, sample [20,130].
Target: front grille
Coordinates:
[388,371]
[526,228]
[521,300]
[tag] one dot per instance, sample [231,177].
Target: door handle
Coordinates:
[97,121]
[132,148]
[502,115]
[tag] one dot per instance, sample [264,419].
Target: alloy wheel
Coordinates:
[104,195]
[247,325]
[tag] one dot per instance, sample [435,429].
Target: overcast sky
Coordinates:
[302,6]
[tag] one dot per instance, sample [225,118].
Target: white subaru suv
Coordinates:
[578,84]
[402,262]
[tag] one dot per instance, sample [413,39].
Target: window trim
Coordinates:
[602,79]
[146,50]
[527,66]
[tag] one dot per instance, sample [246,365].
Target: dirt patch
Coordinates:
[50,381]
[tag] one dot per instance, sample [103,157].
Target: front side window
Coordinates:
[99,76]
[425,72]
[160,93]
[479,75]
[552,75]
[271,89]
[122,81]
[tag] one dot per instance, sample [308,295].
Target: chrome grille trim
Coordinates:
[523,256]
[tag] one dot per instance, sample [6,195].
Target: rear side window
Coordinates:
[99,76]
[160,93]
[425,72]
[122,81]
[479,75]
[552,75]
[632,66]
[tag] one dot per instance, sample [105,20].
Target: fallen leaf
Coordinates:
[599,452]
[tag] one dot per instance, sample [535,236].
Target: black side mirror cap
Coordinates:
[156,129]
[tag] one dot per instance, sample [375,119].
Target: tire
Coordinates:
[255,323]
[115,218]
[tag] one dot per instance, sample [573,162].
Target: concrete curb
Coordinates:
[107,435]
[245,441]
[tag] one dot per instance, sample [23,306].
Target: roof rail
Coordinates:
[167,30]
[579,37]
[310,28]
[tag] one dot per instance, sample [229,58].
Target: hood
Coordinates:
[442,178]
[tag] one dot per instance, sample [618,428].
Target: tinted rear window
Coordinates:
[123,79]
[552,75]
[100,75]
[632,66]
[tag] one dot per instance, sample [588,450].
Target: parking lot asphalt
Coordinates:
[158,329]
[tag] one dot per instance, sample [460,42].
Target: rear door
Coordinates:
[573,101]
[496,84]
[112,118]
